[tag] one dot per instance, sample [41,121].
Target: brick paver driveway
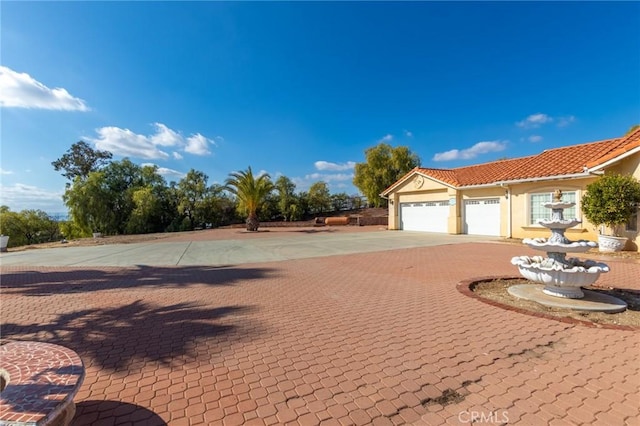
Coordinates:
[369,338]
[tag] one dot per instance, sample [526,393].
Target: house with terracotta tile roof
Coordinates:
[504,198]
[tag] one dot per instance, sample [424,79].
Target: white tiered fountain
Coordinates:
[562,277]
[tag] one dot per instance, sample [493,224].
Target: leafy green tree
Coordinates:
[251,192]
[319,197]
[340,201]
[80,160]
[192,192]
[383,166]
[286,196]
[104,201]
[28,227]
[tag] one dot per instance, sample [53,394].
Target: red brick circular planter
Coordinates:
[41,380]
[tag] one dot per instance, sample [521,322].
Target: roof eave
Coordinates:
[584,174]
[386,192]
[615,159]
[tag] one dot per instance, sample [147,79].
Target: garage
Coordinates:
[431,216]
[482,217]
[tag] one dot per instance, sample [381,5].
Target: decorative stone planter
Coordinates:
[4,241]
[40,381]
[609,243]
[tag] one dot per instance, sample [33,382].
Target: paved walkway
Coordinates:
[363,338]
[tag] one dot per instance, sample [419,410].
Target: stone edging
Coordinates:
[464,287]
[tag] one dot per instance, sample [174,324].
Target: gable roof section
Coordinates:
[553,163]
[628,144]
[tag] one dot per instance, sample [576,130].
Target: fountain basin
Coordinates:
[560,279]
[558,205]
[559,224]
[580,246]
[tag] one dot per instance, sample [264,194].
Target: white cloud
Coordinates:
[165,136]
[565,121]
[474,151]
[387,138]
[534,121]
[124,142]
[329,177]
[408,134]
[334,167]
[535,138]
[21,197]
[5,172]
[198,145]
[163,171]
[20,90]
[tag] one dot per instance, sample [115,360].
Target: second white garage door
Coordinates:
[482,217]
[429,216]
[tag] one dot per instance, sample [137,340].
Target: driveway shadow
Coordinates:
[88,413]
[43,282]
[116,338]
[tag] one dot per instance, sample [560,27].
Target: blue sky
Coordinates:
[303,88]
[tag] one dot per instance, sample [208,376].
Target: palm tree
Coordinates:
[251,193]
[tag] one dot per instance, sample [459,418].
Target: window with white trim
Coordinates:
[539,212]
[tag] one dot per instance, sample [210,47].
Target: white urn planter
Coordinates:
[609,243]
[4,241]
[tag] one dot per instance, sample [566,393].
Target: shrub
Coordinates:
[611,200]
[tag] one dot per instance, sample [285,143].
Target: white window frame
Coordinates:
[549,195]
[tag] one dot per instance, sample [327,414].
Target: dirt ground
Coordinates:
[496,290]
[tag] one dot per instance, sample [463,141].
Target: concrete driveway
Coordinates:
[223,247]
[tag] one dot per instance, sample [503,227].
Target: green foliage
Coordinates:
[80,160]
[383,166]
[632,129]
[28,227]
[251,192]
[192,197]
[611,200]
[286,197]
[319,198]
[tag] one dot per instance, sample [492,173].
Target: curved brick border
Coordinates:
[42,380]
[465,286]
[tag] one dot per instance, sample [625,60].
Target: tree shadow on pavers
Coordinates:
[139,333]
[88,413]
[43,282]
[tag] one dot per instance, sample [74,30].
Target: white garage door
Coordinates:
[429,216]
[482,217]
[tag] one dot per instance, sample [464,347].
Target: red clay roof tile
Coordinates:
[561,161]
